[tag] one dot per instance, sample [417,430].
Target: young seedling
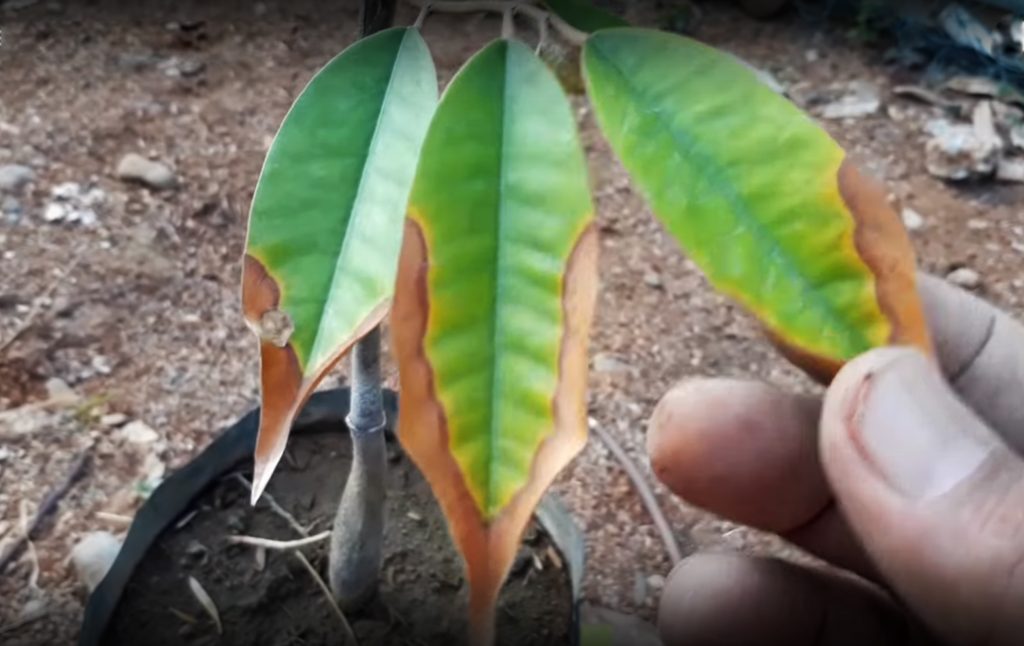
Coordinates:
[496,279]
[324,236]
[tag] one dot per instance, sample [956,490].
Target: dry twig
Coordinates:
[37,309]
[271,544]
[646,495]
[276,508]
[47,506]
[33,578]
[266,543]
[350,636]
[206,602]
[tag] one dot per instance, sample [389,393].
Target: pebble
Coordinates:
[14,177]
[652,279]
[656,582]
[72,203]
[607,363]
[956,152]
[912,219]
[101,364]
[134,167]
[57,387]
[964,277]
[113,419]
[1010,170]
[33,609]
[11,208]
[92,557]
[175,67]
[138,432]
[862,99]
[55,212]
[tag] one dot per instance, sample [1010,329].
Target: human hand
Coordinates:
[893,477]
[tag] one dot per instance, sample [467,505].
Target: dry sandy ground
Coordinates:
[139,312]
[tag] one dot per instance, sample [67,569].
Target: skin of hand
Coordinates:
[907,477]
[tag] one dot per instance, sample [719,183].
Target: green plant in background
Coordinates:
[475,215]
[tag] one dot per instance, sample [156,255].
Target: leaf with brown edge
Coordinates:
[760,197]
[493,305]
[326,221]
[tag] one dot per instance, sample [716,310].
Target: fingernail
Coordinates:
[913,429]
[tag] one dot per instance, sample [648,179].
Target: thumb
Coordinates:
[935,497]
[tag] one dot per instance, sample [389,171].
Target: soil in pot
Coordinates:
[272,600]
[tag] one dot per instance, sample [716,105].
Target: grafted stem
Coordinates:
[358,534]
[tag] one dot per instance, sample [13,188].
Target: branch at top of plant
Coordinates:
[541,17]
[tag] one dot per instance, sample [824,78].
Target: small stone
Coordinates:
[912,219]
[964,277]
[609,364]
[196,549]
[112,420]
[175,67]
[656,582]
[33,609]
[154,174]
[101,364]
[1010,170]
[639,589]
[14,177]
[66,191]
[1017,136]
[57,388]
[652,279]
[860,100]
[55,212]
[11,208]
[958,151]
[811,56]
[138,432]
[191,67]
[977,224]
[92,557]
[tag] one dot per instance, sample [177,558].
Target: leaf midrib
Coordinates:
[497,330]
[356,202]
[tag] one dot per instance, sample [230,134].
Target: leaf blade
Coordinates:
[492,358]
[698,133]
[325,226]
[583,15]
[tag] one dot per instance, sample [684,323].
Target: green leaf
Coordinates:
[493,304]
[760,197]
[326,223]
[583,15]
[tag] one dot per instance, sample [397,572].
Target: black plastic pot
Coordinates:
[325,410]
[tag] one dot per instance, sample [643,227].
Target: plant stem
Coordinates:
[358,533]
[541,17]
[376,15]
[357,536]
